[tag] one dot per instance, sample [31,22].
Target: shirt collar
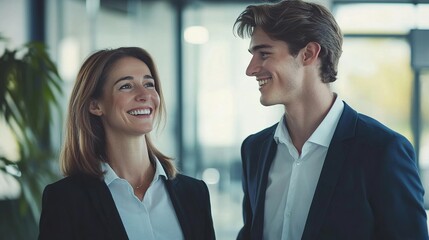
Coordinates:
[281,134]
[110,175]
[159,169]
[323,133]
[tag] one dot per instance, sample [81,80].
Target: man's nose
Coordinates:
[252,68]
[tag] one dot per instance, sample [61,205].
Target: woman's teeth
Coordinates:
[140,112]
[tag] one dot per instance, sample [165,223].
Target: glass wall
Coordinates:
[375,78]
[15,35]
[13,12]
[424,142]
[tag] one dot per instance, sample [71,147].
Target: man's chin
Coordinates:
[265,102]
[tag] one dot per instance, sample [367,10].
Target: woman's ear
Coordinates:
[311,53]
[94,108]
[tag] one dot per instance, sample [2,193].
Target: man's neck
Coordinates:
[303,118]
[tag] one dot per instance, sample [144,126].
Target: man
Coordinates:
[324,171]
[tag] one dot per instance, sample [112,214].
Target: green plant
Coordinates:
[30,89]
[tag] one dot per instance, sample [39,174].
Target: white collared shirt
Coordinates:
[154,217]
[293,178]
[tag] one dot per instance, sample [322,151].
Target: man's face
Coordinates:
[279,74]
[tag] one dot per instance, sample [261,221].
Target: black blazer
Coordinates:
[369,187]
[81,207]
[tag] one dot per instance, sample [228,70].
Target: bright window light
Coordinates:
[196,35]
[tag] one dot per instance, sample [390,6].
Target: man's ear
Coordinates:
[94,108]
[311,53]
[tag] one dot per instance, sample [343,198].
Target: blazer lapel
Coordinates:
[267,153]
[331,171]
[181,215]
[101,199]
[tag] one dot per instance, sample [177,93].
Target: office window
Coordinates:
[15,35]
[424,142]
[375,78]
[386,18]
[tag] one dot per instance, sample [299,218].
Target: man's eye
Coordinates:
[125,86]
[264,54]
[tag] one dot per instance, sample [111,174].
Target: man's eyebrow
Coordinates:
[258,47]
[132,78]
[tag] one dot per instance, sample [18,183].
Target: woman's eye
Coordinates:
[125,86]
[149,85]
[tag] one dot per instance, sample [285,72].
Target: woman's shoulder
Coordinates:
[188,183]
[190,190]
[185,179]
[72,184]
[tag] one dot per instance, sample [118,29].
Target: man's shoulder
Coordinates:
[265,133]
[373,130]
[367,125]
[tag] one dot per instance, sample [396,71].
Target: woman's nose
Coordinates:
[143,94]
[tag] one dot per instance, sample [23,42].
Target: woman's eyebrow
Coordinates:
[132,78]
[123,78]
[148,77]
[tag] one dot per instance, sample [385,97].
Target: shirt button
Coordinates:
[298,163]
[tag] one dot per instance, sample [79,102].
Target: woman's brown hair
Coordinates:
[84,145]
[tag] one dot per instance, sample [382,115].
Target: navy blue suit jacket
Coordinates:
[369,187]
[81,207]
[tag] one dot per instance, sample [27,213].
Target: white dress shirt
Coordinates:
[293,178]
[150,219]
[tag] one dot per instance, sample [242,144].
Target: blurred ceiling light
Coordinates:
[211,176]
[196,35]
[69,60]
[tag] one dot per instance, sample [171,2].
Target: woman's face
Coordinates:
[129,101]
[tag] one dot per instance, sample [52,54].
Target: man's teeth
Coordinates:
[262,81]
[140,112]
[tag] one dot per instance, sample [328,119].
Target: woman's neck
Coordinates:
[130,160]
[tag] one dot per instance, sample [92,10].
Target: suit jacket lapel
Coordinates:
[102,200]
[331,171]
[181,215]
[267,153]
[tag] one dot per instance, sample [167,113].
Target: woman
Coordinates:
[117,184]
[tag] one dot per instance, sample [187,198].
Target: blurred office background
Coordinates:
[211,104]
